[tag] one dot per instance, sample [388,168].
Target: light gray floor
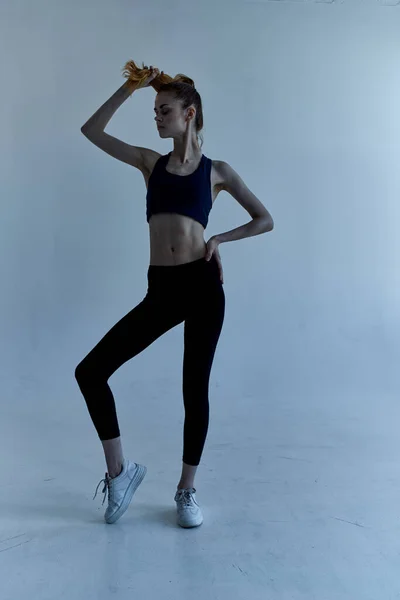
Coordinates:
[301,500]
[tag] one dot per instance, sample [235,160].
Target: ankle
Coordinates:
[113,473]
[184,487]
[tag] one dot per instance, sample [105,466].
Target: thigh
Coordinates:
[203,327]
[139,328]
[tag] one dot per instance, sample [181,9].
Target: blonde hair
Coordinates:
[181,86]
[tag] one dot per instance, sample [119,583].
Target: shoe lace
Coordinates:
[107,484]
[186,497]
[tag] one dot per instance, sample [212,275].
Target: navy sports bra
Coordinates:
[188,195]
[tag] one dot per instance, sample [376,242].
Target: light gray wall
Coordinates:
[300,98]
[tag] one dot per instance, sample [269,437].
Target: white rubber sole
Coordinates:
[190,521]
[187,526]
[131,489]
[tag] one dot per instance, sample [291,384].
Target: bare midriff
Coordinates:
[175,239]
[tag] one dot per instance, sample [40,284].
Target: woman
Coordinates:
[184,278]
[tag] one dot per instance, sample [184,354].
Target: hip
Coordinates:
[193,280]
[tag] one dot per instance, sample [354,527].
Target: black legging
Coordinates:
[191,292]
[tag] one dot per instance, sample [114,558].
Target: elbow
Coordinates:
[91,132]
[268,223]
[87,129]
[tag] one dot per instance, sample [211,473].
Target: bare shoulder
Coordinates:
[218,174]
[227,179]
[218,167]
[223,174]
[150,157]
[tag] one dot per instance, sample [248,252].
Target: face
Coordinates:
[171,119]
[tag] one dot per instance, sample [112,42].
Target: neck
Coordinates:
[186,151]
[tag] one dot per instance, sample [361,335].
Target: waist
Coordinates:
[175,240]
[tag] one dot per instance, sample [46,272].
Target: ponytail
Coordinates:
[181,86]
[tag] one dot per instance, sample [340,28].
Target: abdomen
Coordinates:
[175,239]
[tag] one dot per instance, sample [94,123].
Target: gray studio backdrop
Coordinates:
[302,102]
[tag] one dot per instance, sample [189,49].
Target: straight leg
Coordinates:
[202,331]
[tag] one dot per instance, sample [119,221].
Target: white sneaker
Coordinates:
[189,512]
[121,489]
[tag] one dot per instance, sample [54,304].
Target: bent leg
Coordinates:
[127,338]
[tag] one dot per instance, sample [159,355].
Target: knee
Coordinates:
[82,371]
[89,373]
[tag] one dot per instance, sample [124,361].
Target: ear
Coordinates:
[191,113]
